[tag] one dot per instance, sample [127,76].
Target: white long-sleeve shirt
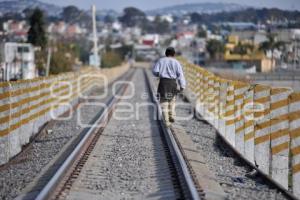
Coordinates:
[169,67]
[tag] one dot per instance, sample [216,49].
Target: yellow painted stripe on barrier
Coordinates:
[238,130]
[240,86]
[261,139]
[295,133]
[30,89]
[279,90]
[4,132]
[28,99]
[294,115]
[5,119]
[281,147]
[4,95]
[296,168]
[229,113]
[262,113]
[295,151]
[248,123]
[279,133]
[279,104]
[279,118]
[263,125]
[230,122]
[4,84]
[230,102]
[248,100]
[260,88]
[238,97]
[295,97]
[262,100]
[272,122]
[230,93]
[4,107]
[249,136]
[24,121]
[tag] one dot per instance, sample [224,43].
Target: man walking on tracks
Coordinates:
[169,70]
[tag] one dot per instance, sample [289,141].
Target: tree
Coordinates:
[215,48]
[111,59]
[108,19]
[201,32]
[243,49]
[70,13]
[28,12]
[133,17]
[37,34]
[195,18]
[64,57]
[271,45]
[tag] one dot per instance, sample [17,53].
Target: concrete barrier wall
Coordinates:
[261,122]
[27,105]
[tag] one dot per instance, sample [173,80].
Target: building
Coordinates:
[17,61]
[251,58]
[150,40]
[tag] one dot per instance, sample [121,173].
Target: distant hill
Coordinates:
[263,15]
[200,8]
[17,6]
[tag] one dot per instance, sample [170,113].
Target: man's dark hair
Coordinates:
[170,51]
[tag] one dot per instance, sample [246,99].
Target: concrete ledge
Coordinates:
[203,177]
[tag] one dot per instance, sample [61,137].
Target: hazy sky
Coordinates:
[152,4]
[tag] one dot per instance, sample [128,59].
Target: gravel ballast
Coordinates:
[129,160]
[228,168]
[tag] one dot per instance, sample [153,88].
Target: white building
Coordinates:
[17,61]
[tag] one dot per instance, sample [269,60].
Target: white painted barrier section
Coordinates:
[239,93]
[280,135]
[294,117]
[262,127]
[15,118]
[26,105]
[26,128]
[222,108]
[4,122]
[229,115]
[216,103]
[249,124]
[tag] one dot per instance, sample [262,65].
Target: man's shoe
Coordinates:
[172,120]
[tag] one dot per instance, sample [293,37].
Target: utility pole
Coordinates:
[48,61]
[96,60]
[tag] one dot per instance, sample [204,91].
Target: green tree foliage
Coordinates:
[132,17]
[70,13]
[159,25]
[111,59]
[63,57]
[201,33]
[271,44]
[215,48]
[109,19]
[37,34]
[243,49]
[249,15]
[28,12]
[124,51]
[196,18]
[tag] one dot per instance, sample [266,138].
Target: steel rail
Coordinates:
[51,186]
[192,189]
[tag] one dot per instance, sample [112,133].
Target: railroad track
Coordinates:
[171,174]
